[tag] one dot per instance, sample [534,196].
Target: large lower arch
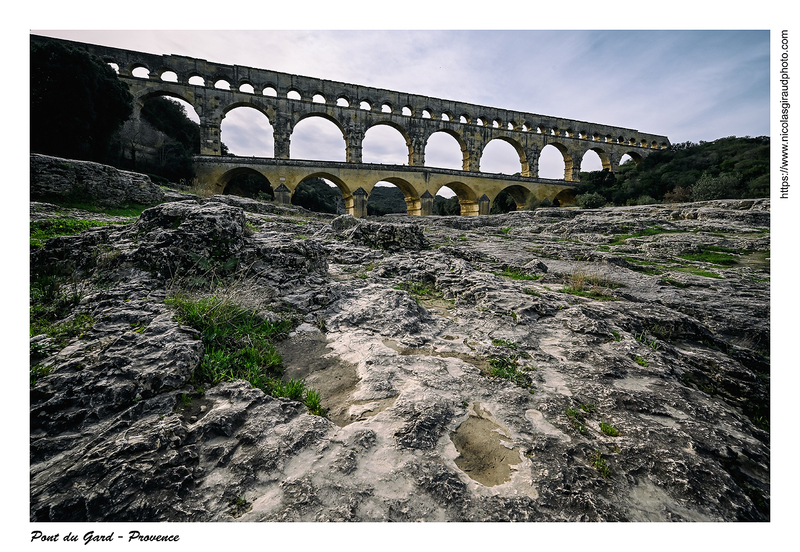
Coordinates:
[467,198]
[521,195]
[246,182]
[637,157]
[313,193]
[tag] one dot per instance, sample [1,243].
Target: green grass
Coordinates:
[655,230]
[641,362]
[418,288]
[609,429]
[133,210]
[711,255]
[576,419]
[238,346]
[696,271]
[507,367]
[599,463]
[517,274]
[43,230]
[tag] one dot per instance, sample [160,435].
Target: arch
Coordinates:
[441,152]
[520,195]
[247,88]
[245,133]
[293,94]
[426,114]
[445,202]
[222,84]
[386,143]
[196,80]
[595,159]
[407,111]
[169,76]
[140,72]
[318,98]
[185,101]
[318,136]
[386,107]
[636,157]
[269,91]
[114,66]
[555,162]
[365,105]
[503,155]
[246,182]
[384,192]
[315,193]
[342,101]
[564,198]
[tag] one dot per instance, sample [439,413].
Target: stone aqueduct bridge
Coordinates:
[287,99]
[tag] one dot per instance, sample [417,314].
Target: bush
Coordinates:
[590,201]
[724,186]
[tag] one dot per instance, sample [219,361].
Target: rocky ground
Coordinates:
[554,365]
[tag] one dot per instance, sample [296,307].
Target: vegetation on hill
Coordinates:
[728,168]
[385,200]
[77,103]
[315,194]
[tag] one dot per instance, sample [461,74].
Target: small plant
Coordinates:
[312,402]
[641,362]
[38,371]
[507,367]
[599,463]
[589,285]
[576,419]
[186,400]
[609,429]
[643,338]
[503,343]
[616,335]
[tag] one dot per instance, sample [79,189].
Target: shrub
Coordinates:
[590,201]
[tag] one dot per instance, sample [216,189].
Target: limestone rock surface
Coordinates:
[554,365]
[53,177]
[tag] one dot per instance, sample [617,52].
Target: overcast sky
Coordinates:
[687,85]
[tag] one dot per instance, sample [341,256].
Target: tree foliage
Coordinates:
[254,186]
[171,118]
[385,200]
[316,195]
[77,102]
[671,174]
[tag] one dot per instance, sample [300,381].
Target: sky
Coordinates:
[688,85]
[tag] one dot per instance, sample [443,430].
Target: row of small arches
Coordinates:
[142,72]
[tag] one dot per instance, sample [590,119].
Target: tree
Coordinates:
[77,103]
[709,187]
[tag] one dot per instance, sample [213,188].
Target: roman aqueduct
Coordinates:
[213,89]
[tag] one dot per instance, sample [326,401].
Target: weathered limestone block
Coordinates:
[53,177]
